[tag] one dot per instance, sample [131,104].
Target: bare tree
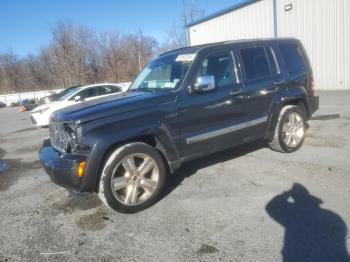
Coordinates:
[111,55]
[76,55]
[177,33]
[12,70]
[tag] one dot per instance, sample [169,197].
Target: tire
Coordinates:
[133,188]
[280,139]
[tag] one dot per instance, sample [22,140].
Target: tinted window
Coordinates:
[220,66]
[87,93]
[105,90]
[255,62]
[293,57]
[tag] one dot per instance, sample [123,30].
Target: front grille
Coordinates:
[60,138]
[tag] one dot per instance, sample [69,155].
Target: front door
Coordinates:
[207,119]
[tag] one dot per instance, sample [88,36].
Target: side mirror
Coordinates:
[77,98]
[204,84]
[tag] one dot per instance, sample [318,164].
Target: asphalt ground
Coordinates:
[244,204]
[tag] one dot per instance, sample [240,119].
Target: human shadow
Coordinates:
[311,232]
[191,167]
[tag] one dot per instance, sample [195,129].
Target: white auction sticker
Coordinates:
[185,57]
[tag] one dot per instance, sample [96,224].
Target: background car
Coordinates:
[54,97]
[40,116]
[2,104]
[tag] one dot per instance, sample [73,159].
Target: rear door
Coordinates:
[261,74]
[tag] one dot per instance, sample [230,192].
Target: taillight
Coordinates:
[311,89]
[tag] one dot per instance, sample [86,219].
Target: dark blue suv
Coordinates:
[185,104]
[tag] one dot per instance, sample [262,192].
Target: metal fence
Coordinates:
[18,97]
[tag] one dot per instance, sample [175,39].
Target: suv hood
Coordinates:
[111,105]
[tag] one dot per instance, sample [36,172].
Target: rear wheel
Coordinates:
[132,178]
[290,130]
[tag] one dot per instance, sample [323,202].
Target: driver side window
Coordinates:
[220,66]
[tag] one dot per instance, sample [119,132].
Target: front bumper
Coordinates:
[314,104]
[62,168]
[32,119]
[40,119]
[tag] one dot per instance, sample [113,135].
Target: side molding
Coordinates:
[226,130]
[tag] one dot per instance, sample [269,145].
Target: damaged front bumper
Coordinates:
[63,169]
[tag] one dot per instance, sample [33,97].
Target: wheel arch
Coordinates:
[156,138]
[299,101]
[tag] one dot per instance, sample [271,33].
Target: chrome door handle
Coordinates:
[268,90]
[279,83]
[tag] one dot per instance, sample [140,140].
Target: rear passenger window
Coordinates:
[255,63]
[293,57]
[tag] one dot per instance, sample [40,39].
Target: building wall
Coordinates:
[324,28]
[322,25]
[235,25]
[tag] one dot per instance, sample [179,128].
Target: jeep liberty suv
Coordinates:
[185,104]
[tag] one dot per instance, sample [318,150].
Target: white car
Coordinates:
[40,115]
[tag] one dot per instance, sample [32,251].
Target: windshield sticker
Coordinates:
[171,84]
[152,84]
[185,58]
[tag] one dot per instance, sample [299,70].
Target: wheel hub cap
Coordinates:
[293,130]
[135,179]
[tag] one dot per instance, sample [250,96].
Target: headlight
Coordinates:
[70,128]
[72,145]
[70,140]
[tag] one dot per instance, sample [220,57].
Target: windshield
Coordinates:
[163,73]
[67,92]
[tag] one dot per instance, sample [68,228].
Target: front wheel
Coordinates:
[290,130]
[132,178]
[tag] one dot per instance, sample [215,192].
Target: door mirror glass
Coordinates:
[204,84]
[77,98]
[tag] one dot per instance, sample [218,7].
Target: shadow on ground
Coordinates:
[311,233]
[325,117]
[73,202]
[190,168]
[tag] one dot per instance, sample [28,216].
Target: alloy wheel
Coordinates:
[293,130]
[135,179]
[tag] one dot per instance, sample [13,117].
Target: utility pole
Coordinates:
[140,61]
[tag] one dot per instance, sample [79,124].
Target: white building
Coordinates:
[323,26]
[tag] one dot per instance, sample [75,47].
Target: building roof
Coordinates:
[222,12]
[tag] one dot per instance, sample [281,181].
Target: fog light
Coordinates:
[81,168]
